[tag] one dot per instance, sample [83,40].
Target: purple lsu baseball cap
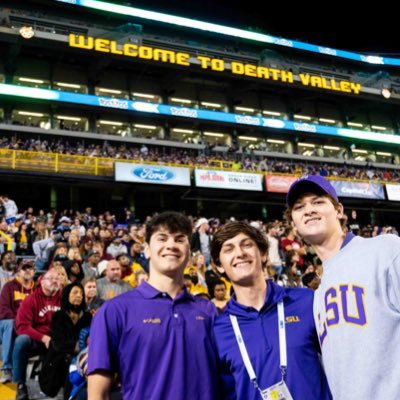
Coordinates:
[309,184]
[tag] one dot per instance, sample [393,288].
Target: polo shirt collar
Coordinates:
[150,292]
[274,294]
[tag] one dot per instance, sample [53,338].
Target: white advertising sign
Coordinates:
[228,180]
[156,174]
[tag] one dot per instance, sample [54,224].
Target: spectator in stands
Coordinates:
[22,241]
[7,268]
[290,242]
[220,298]
[274,257]
[74,270]
[159,306]
[137,256]
[311,280]
[291,273]
[90,266]
[66,325]
[33,327]
[5,237]
[250,325]
[112,285]
[201,240]
[77,225]
[116,247]
[93,301]
[11,209]
[11,297]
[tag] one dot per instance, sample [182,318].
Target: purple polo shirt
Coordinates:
[162,348]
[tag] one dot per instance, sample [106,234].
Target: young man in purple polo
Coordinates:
[157,337]
[267,342]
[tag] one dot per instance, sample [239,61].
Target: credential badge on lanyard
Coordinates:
[279,391]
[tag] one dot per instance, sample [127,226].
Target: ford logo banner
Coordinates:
[153,174]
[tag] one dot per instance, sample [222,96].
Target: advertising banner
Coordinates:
[156,174]
[393,192]
[228,180]
[362,190]
[279,183]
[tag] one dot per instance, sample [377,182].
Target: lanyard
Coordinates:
[282,345]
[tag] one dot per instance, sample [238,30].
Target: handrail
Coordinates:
[102,166]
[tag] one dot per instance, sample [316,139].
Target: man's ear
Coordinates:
[340,211]
[264,258]
[146,251]
[220,269]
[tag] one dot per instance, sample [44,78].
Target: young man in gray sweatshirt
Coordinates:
[357,305]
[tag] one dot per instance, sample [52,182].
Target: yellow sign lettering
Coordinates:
[204,61]
[182,59]
[237,68]
[215,64]
[102,45]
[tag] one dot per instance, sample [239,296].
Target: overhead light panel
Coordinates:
[381,153]
[183,130]
[144,95]
[207,104]
[68,85]
[112,91]
[65,117]
[305,117]
[30,114]
[355,124]
[140,126]
[331,147]
[272,113]
[30,80]
[275,141]
[327,120]
[178,100]
[360,151]
[306,145]
[115,123]
[244,109]
[214,134]
[253,139]
[378,128]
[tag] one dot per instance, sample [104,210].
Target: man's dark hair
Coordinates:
[173,221]
[232,229]
[219,282]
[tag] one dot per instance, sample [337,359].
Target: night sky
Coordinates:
[337,24]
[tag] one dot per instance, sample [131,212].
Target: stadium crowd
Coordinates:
[46,256]
[242,160]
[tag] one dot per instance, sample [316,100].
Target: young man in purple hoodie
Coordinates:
[267,342]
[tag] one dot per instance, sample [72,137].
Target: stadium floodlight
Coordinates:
[250,138]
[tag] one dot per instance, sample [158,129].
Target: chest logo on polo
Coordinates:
[200,318]
[292,318]
[152,321]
